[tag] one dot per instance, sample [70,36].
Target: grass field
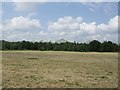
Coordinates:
[42,69]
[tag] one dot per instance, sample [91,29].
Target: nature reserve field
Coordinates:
[42,69]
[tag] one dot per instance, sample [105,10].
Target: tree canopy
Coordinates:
[93,46]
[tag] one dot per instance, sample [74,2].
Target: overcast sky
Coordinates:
[75,21]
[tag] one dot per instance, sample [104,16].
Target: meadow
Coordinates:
[59,69]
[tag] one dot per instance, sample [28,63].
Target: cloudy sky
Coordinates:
[74,21]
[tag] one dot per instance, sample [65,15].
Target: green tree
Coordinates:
[94,46]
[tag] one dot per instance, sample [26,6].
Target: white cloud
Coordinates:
[1,13]
[112,25]
[103,27]
[65,23]
[93,6]
[28,1]
[22,28]
[88,28]
[32,14]
[74,25]
[22,23]
[92,10]
[107,7]
[60,0]
[25,6]
[68,27]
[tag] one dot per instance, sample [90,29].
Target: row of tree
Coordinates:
[93,46]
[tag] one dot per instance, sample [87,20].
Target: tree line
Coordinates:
[93,46]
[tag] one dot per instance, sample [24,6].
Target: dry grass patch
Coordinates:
[59,69]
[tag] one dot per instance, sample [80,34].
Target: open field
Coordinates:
[35,69]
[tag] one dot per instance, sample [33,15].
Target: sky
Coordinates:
[50,21]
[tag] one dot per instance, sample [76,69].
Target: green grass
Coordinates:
[36,69]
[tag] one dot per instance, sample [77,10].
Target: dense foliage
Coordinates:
[94,46]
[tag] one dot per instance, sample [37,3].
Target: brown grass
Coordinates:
[51,69]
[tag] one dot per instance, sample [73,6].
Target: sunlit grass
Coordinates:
[59,69]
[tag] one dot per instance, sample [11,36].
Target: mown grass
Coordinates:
[51,69]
